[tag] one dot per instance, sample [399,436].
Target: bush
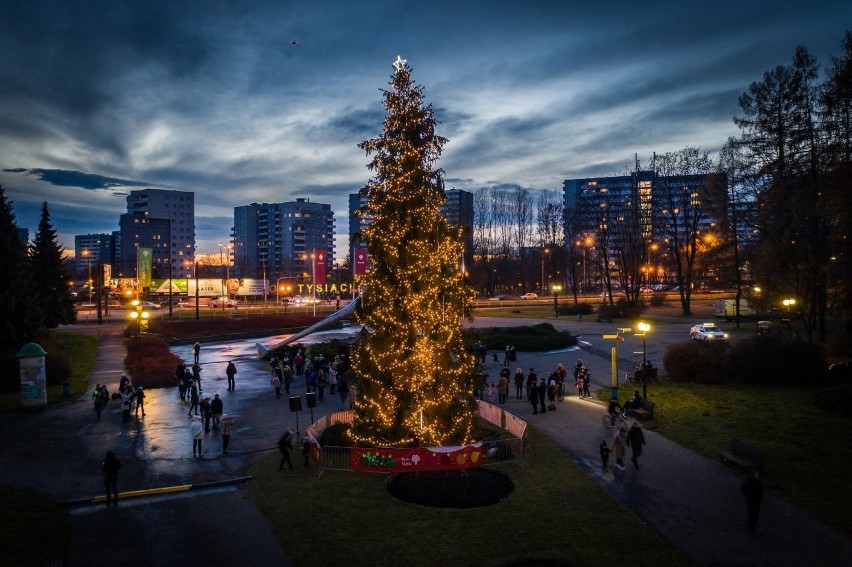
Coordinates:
[771,359]
[701,362]
[620,310]
[765,359]
[150,363]
[535,338]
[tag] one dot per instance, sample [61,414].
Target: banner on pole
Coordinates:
[144,257]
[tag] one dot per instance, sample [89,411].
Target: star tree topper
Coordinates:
[399,64]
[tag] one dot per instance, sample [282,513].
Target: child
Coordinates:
[604,454]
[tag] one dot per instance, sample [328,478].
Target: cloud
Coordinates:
[65,178]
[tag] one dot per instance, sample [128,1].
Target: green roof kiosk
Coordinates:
[33,376]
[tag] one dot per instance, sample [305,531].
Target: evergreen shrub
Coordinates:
[697,361]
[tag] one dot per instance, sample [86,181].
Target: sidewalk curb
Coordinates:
[155,491]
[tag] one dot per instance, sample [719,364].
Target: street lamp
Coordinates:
[556,289]
[139,315]
[645,328]
[89,281]
[543,252]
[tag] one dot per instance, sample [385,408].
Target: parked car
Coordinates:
[707,332]
[529,296]
[219,302]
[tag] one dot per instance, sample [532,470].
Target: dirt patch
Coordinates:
[471,488]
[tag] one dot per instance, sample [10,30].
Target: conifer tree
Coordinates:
[50,275]
[20,319]
[413,373]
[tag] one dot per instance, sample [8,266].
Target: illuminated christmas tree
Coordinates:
[413,373]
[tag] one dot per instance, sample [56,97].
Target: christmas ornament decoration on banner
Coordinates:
[418,459]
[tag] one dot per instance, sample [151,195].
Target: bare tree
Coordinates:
[682,210]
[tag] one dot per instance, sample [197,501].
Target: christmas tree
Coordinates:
[413,373]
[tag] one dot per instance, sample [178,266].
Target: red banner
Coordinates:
[360,260]
[320,263]
[415,459]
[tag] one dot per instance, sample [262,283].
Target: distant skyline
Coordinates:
[245,102]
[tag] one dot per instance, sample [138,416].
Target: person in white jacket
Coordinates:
[196,429]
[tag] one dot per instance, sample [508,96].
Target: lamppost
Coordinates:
[139,315]
[543,252]
[556,289]
[645,328]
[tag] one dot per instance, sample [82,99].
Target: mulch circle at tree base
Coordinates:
[471,488]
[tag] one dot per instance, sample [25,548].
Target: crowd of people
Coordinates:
[320,373]
[131,399]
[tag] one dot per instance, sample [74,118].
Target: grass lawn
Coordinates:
[34,529]
[808,450]
[81,350]
[556,513]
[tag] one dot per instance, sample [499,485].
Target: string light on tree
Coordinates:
[414,376]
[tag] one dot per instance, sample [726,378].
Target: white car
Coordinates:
[529,296]
[707,332]
[223,301]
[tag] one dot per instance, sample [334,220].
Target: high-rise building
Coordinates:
[164,221]
[276,239]
[92,249]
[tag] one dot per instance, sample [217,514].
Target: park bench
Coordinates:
[743,455]
[646,408]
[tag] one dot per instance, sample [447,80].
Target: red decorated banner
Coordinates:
[415,459]
[319,267]
[360,260]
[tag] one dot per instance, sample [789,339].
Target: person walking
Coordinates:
[217,408]
[196,351]
[231,371]
[126,402]
[110,468]
[320,373]
[196,375]
[276,383]
[227,426]
[332,378]
[299,362]
[193,399]
[635,440]
[205,413]
[532,397]
[519,384]
[753,490]
[140,400]
[502,389]
[587,380]
[195,430]
[288,377]
[619,446]
[579,384]
[605,451]
[343,390]
[542,394]
[96,397]
[285,445]
[532,380]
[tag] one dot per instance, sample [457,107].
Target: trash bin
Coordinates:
[66,389]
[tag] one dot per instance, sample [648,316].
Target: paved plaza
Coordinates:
[691,502]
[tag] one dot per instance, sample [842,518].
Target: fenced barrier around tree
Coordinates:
[492,452]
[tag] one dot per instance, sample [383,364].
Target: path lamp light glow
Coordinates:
[645,328]
[556,289]
[139,315]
